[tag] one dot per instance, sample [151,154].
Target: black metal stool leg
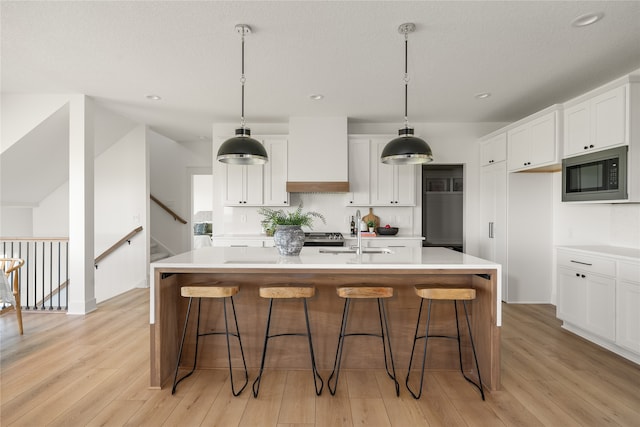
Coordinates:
[237,334]
[316,375]
[256,383]
[473,348]
[424,355]
[184,333]
[384,326]
[338,360]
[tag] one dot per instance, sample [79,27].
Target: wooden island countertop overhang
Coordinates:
[252,267]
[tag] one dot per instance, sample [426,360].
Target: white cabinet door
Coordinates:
[359,160]
[608,118]
[390,185]
[275,173]
[601,306]
[572,297]
[628,306]
[597,123]
[234,185]
[494,149]
[533,144]
[253,185]
[493,217]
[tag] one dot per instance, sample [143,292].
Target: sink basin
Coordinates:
[353,251]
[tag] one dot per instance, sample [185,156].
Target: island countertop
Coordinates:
[254,266]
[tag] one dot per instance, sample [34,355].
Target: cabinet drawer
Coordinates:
[588,263]
[629,272]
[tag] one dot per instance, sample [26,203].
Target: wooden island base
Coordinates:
[325,311]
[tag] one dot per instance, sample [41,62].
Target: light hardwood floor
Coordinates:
[94,370]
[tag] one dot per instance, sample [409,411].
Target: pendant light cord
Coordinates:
[242,81]
[406,80]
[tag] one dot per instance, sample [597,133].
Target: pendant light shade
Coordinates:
[406,149]
[242,149]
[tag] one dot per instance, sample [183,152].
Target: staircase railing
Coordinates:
[175,216]
[44,278]
[116,245]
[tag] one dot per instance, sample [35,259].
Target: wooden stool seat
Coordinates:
[211,290]
[287,291]
[364,291]
[430,294]
[445,293]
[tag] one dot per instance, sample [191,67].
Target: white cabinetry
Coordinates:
[493,217]
[259,185]
[391,185]
[596,123]
[243,185]
[599,298]
[239,242]
[373,183]
[359,158]
[493,149]
[628,306]
[381,242]
[534,143]
[275,173]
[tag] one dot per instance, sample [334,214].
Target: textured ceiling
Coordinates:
[526,54]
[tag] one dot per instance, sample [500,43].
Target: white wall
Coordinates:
[51,216]
[16,222]
[120,206]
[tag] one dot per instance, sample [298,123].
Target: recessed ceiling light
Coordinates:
[316,96]
[154,97]
[482,95]
[587,19]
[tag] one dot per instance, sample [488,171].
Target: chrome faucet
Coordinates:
[359,232]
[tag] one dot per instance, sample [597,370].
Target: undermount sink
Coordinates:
[353,251]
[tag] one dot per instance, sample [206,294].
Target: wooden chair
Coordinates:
[12,265]
[364,292]
[446,294]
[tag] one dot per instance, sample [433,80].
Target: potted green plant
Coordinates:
[371,225]
[288,235]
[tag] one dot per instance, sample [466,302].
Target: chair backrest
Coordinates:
[9,265]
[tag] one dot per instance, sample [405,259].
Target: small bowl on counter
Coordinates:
[383,231]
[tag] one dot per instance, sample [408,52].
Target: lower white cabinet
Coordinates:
[376,242]
[599,299]
[628,306]
[241,243]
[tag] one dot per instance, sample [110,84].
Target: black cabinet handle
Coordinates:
[586,148]
[580,262]
[591,146]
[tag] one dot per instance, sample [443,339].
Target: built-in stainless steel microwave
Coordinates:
[598,176]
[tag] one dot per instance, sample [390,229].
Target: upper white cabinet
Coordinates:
[597,123]
[243,185]
[259,185]
[373,183]
[534,143]
[275,173]
[359,158]
[493,149]
[391,185]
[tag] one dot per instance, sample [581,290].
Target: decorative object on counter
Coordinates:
[242,149]
[370,217]
[353,226]
[406,149]
[387,230]
[371,225]
[288,235]
[202,229]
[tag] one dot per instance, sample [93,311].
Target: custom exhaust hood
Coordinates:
[318,160]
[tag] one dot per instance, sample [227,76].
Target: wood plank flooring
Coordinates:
[93,370]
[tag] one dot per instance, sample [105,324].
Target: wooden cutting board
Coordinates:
[371,217]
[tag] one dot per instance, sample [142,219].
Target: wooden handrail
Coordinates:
[166,208]
[120,242]
[35,239]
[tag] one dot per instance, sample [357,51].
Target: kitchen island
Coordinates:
[252,267]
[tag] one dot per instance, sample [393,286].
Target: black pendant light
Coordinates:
[242,149]
[406,149]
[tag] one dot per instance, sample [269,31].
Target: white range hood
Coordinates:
[318,159]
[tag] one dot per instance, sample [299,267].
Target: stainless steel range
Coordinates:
[323,239]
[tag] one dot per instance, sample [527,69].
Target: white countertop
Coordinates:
[632,254]
[310,257]
[346,237]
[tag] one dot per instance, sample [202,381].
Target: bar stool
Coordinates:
[364,292]
[287,292]
[211,291]
[449,294]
